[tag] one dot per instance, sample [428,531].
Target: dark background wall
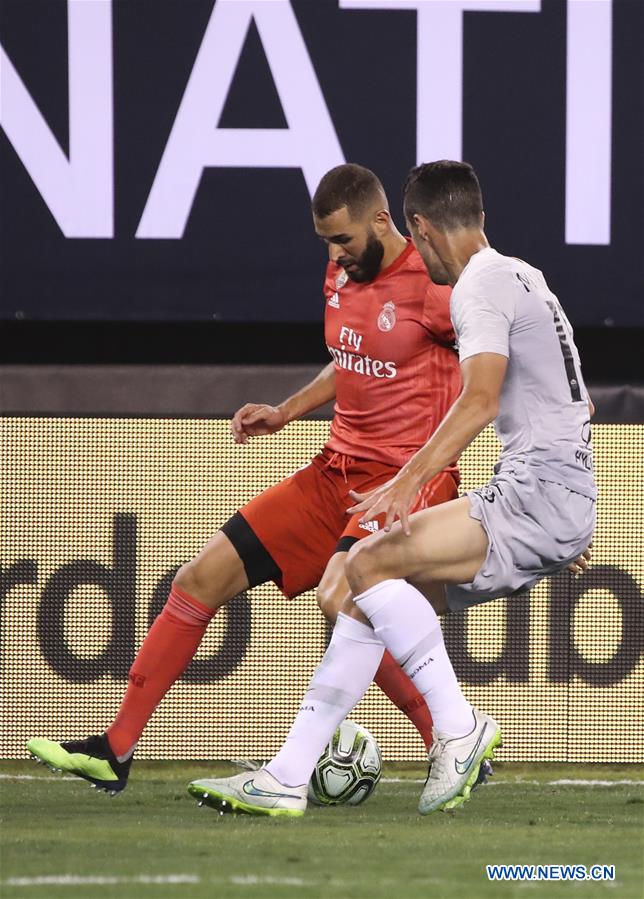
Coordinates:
[240,281]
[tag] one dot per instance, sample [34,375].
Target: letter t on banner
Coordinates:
[439,25]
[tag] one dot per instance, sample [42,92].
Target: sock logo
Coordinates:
[420,667]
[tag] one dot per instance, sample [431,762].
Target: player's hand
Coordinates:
[392,499]
[256,420]
[580,565]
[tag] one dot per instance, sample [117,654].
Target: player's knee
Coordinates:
[193,580]
[361,567]
[329,600]
[187,578]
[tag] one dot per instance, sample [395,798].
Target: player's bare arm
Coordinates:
[475,408]
[259,419]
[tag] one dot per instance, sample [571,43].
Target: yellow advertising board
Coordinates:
[97,514]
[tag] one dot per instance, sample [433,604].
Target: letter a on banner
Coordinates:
[196,142]
[78,191]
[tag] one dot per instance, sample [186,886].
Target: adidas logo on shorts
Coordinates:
[371,526]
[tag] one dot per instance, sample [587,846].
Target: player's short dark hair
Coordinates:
[447,193]
[348,185]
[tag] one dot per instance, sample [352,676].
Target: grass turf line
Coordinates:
[380,849]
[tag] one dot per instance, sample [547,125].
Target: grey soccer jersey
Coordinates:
[503,305]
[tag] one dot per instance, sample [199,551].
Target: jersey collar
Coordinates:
[398,261]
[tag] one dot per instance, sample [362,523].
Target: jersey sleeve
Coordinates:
[436,314]
[483,314]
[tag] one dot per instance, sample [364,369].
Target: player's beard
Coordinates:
[369,261]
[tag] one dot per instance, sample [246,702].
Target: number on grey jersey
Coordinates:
[563,333]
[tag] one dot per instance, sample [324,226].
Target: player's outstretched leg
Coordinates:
[251,793]
[92,759]
[216,575]
[169,646]
[455,764]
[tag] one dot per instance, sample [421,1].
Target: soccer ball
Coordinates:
[348,769]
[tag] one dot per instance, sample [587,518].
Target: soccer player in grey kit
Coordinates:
[536,515]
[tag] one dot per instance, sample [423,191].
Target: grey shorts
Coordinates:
[534,528]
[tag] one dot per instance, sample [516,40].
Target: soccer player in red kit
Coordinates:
[394,375]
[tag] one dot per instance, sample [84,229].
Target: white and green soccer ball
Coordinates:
[349,768]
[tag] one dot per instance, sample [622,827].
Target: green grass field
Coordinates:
[61,839]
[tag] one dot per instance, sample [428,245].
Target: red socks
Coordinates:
[393,681]
[169,646]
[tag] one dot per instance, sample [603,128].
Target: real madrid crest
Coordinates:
[341,280]
[387,317]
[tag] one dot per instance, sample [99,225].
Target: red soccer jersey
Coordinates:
[396,372]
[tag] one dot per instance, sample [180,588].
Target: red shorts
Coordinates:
[302,521]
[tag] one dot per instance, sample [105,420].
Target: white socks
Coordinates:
[339,683]
[409,627]
[403,621]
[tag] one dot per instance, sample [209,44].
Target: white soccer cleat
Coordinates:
[250,793]
[455,762]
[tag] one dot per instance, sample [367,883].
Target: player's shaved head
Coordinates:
[350,185]
[446,193]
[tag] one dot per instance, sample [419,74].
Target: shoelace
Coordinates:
[249,764]
[435,757]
